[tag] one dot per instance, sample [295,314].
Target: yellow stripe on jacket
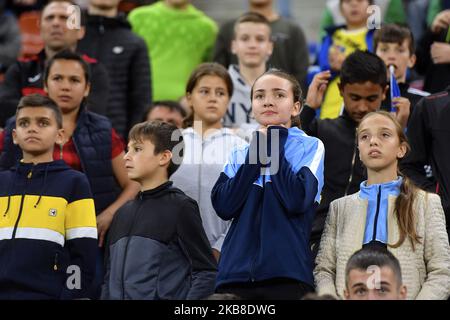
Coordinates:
[45,220]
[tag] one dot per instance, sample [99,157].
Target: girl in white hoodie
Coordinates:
[207,144]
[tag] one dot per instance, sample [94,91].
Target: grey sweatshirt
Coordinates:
[240,107]
[203,161]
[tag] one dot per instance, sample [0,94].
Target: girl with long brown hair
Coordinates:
[207,144]
[388,211]
[269,190]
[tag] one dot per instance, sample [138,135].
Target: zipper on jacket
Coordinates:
[18,217]
[101,27]
[55,265]
[29,175]
[83,167]
[352,169]
[126,246]
[375,223]
[61,147]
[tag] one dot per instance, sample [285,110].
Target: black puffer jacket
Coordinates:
[429,137]
[344,171]
[124,54]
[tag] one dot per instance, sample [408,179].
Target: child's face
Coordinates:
[66,84]
[273,101]
[361,287]
[36,131]
[163,113]
[379,143]
[252,44]
[209,99]
[361,98]
[355,11]
[397,55]
[141,162]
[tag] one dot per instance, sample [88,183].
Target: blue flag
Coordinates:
[395,90]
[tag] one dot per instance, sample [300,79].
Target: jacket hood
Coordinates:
[119,21]
[40,168]
[331,29]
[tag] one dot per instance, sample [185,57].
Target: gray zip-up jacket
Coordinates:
[157,249]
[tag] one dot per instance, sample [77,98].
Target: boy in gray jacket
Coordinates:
[157,248]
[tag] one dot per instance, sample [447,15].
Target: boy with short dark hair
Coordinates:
[157,247]
[290,49]
[48,234]
[395,45]
[252,46]
[378,264]
[363,84]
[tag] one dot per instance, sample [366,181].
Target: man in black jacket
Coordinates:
[290,51]
[429,137]
[363,88]
[25,76]
[109,39]
[9,39]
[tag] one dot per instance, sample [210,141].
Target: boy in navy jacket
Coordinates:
[48,233]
